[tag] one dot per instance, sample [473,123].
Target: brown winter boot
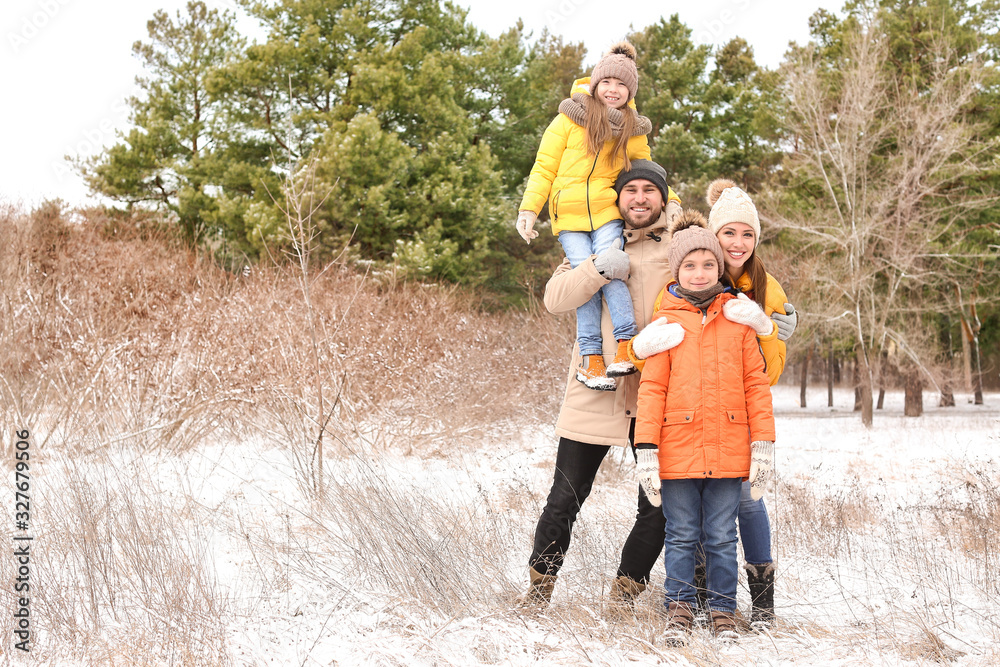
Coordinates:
[760,580]
[624,591]
[539,592]
[724,625]
[622,365]
[593,373]
[680,617]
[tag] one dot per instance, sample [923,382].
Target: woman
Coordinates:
[735,223]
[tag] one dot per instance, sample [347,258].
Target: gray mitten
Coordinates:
[761,464]
[786,323]
[648,470]
[613,262]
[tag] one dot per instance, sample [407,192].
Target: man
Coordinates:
[592,422]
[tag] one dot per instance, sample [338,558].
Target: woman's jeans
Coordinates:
[579,246]
[691,505]
[755,528]
[576,467]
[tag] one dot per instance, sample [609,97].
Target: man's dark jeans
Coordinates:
[576,467]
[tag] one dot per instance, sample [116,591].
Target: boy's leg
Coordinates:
[576,468]
[683,514]
[720,503]
[578,248]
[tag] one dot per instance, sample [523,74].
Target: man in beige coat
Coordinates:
[591,422]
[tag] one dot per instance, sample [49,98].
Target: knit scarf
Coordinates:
[574,108]
[702,298]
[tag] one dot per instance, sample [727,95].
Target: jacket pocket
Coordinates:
[555,206]
[671,417]
[737,417]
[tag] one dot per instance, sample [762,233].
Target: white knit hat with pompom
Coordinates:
[731,204]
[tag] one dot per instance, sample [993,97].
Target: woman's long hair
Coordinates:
[598,130]
[754,268]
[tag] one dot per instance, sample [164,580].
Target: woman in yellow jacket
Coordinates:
[734,221]
[596,134]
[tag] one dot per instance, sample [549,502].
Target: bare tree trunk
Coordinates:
[881,398]
[966,357]
[947,396]
[913,402]
[804,377]
[863,392]
[829,378]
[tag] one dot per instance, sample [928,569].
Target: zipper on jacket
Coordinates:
[593,167]
[555,206]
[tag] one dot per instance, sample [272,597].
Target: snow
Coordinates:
[416,559]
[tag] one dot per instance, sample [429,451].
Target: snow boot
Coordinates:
[680,617]
[760,579]
[593,373]
[624,591]
[539,592]
[622,365]
[724,625]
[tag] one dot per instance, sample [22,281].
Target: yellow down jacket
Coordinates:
[579,187]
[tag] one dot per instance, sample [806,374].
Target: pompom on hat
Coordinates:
[689,233]
[618,63]
[731,204]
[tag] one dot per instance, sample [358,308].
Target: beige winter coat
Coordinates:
[603,417]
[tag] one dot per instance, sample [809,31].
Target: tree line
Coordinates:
[872,151]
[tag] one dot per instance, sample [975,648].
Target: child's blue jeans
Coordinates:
[690,505]
[579,246]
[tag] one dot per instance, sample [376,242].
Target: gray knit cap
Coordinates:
[645,169]
[689,233]
[618,63]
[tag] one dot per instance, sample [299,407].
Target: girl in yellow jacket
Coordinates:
[596,134]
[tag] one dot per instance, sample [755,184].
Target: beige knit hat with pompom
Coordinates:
[731,204]
[687,234]
[618,63]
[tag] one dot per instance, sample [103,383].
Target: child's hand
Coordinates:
[658,336]
[744,310]
[648,470]
[525,225]
[761,464]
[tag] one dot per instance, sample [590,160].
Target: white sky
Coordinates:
[66,66]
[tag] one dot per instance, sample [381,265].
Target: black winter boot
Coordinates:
[760,579]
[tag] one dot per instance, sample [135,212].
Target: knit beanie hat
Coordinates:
[731,204]
[645,169]
[619,63]
[688,233]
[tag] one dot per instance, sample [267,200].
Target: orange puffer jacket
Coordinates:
[703,402]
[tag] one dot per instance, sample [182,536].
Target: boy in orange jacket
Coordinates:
[704,424]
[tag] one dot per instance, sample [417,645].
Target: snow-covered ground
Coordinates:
[885,541]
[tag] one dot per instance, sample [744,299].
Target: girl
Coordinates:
[734,221]
[595,135]
[704,406]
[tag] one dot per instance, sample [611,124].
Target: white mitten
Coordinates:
[648,470]
[525,225]
[745,310]
[786,323]
[658,336]
[761,465]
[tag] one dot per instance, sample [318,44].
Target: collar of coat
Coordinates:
[656,231]
[675,301]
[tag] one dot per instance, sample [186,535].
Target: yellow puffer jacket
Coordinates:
[579,187]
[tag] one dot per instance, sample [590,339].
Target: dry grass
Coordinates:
[122,350]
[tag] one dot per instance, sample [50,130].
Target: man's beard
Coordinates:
[630,221]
